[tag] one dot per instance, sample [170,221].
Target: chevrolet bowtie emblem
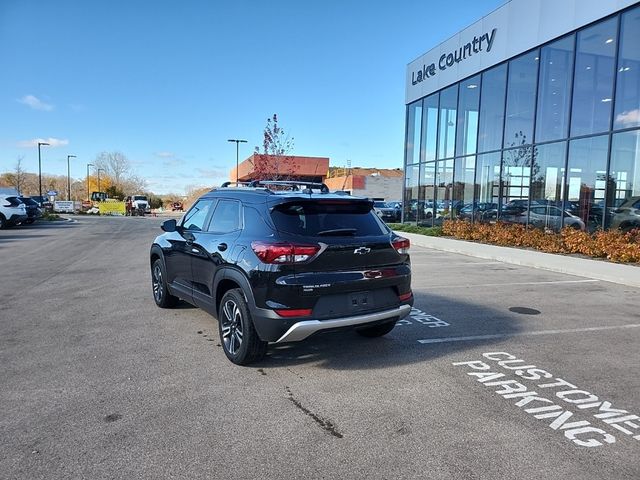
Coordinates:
[361,251]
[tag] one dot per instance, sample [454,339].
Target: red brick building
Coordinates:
[292,167]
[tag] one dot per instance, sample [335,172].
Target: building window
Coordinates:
[494,85]
[463,187]
[623,187]
[547,186]
[444,190]
[521,99]
[593,81]
[414,118]
[488,180]
[554,90]
[628,83]
[429,128]
[447,122]
[410,193]
[586,180]
[468,105]
[426,203]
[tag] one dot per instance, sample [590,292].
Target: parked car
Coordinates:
[281,265]
[12,211]
[550,217]
[627,216]
[387,211]
[43,202]
[33,209]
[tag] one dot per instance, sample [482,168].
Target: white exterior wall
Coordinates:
[389,188]
[520,25]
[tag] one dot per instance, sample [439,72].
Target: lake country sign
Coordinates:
[446,60]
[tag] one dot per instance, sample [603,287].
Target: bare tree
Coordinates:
[115,164]
[18,177]
[277,146]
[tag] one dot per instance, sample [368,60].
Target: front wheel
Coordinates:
[161,293]
[377,330]
[238,336]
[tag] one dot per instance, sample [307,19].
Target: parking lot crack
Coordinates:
[325,424]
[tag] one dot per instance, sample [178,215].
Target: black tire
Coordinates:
[161,294]
[238,336]
[29,221]
[377,330]
[3,222]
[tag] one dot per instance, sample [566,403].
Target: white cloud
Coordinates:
[35,103]
[165,154]
[629,118]
[53,142]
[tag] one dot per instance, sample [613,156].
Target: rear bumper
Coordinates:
[16,218]
[301,330]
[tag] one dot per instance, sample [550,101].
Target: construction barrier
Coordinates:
[112,208]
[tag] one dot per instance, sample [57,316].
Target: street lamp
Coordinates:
[40,168]
[237,142]
[88,165]
[69,177]
[99,178]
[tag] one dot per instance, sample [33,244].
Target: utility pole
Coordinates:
[69,177]
[40,169]
[237,142]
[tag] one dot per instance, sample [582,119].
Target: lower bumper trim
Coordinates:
[301,330]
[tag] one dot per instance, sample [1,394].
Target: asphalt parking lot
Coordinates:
[500,372]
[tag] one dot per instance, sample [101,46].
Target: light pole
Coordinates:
[40,169]
[88,195]
[237,142]
[99,178]
[69,177]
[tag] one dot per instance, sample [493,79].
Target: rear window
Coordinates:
[29,201]
[327,219]
[13,201]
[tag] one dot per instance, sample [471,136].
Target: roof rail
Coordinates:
[226,184]
[291,183]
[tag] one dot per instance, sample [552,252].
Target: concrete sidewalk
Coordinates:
[598,269]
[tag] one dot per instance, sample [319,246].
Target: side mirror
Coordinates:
[169,225]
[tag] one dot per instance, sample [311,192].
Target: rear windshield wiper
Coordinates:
[338,232]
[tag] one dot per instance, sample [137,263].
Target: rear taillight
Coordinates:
[282,253]
[401,245]
[405,296]
[297,312]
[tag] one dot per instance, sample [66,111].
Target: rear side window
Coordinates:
[226,217]
[13,201]
[327,219]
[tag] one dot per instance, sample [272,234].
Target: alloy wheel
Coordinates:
[231,326]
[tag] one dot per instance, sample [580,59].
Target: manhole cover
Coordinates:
[524,310]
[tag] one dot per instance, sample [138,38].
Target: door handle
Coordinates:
[195,250]
[222,247]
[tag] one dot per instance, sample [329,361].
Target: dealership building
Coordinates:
[531,114]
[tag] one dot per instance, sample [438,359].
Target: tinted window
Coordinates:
[414,122]
[556,68]
[494,85]
[468,104]
[327,218]
[447,131]
[521,99]
[628,86]
[429,128]
[593,87]
[194,219]
[226,217]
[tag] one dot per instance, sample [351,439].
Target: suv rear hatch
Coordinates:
[359,264]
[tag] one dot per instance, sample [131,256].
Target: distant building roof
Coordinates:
[260,165]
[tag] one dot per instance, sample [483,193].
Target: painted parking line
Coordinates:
[552,282]
[523,334]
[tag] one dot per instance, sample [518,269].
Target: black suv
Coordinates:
[277,263]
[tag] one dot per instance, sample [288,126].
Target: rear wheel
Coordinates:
[238,336]
[377,330]
[161,293]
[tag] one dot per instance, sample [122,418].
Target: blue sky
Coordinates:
[168,82]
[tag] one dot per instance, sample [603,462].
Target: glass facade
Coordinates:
[550,138]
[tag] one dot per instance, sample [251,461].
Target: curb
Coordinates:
[581,267]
